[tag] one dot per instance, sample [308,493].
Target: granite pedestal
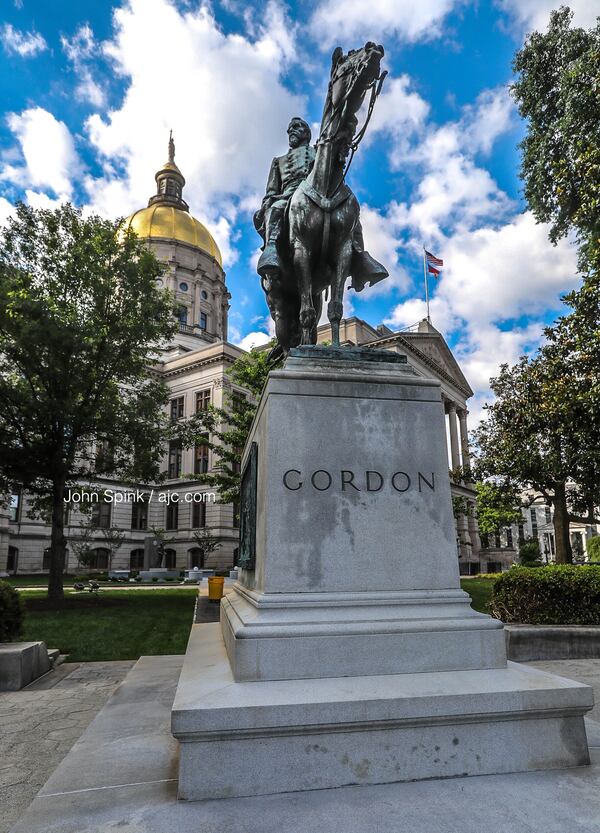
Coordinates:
[349,654]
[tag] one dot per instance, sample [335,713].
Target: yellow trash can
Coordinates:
[215,588]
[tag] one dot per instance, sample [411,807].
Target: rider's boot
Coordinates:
[269,261]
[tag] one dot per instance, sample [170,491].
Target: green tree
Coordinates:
[539,435]
[529,553]
[497,506]
[80,320]
[207,541]
[225,430]
[558,94]
[593,549]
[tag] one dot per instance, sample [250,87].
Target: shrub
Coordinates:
[223,573]
[561,594]
[11,612]
[529,553]
[593,548]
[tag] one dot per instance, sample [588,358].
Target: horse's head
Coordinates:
[351,76]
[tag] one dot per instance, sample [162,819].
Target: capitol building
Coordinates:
[194,367]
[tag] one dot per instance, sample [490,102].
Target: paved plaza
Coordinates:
[40,724]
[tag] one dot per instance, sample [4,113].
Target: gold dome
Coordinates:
[165,221]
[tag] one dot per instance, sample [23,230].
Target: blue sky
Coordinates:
[89,91]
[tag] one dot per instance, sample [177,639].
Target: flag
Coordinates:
[434,264]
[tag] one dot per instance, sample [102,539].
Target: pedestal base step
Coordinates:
[255,738]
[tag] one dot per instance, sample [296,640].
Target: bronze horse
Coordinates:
[323,244]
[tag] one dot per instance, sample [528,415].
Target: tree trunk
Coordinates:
[564,554]
[57,543]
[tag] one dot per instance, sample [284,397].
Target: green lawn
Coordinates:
[35,581]
[115,624]
[480,590]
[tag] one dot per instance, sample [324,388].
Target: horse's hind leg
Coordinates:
[308,315]
[335,308]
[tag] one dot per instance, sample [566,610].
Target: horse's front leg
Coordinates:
[308,315]
[335,308]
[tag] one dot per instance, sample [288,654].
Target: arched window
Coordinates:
[182,314]
[170,559]
[196,558]
[98,559]
[136,559]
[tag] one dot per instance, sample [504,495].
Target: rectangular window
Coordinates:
[509,537]
[534,524]
[15,507]
[105,457]
[172,516]
[236,515]
[139,514]
[101,515]
[548,515]
[201,458]
[177,408]
[521,532]
[203,321]
[202,400]
[198,515]
[174,459]
[497,542]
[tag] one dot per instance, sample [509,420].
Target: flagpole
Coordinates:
[426,286]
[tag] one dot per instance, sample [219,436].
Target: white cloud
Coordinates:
[401,113]
[454,191]
[38,199]
[496,285]
[79,50]
[25,44]
[222,96]
[253,340]
[382,244]
[7,209]
[47,149]
[347,20]
[530,15]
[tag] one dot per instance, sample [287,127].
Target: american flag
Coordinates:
[434,264]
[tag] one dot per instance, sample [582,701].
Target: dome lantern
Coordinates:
[169,182]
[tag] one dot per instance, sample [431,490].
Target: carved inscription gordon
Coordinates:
[344,480]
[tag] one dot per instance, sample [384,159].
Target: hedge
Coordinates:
[11,612]
[561,594]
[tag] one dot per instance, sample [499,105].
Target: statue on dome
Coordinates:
[309,219]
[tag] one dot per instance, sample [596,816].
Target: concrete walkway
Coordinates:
[122,775]
[40,724]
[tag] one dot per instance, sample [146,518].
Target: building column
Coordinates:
[474,532]
[453,435]
[464,438]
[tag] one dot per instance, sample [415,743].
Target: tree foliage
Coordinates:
[539,436]
[543,432]
[497,506]
[558,93]
[593,549]
[80,321]
[225,430]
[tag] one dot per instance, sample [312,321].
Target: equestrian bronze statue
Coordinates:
[309,218]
